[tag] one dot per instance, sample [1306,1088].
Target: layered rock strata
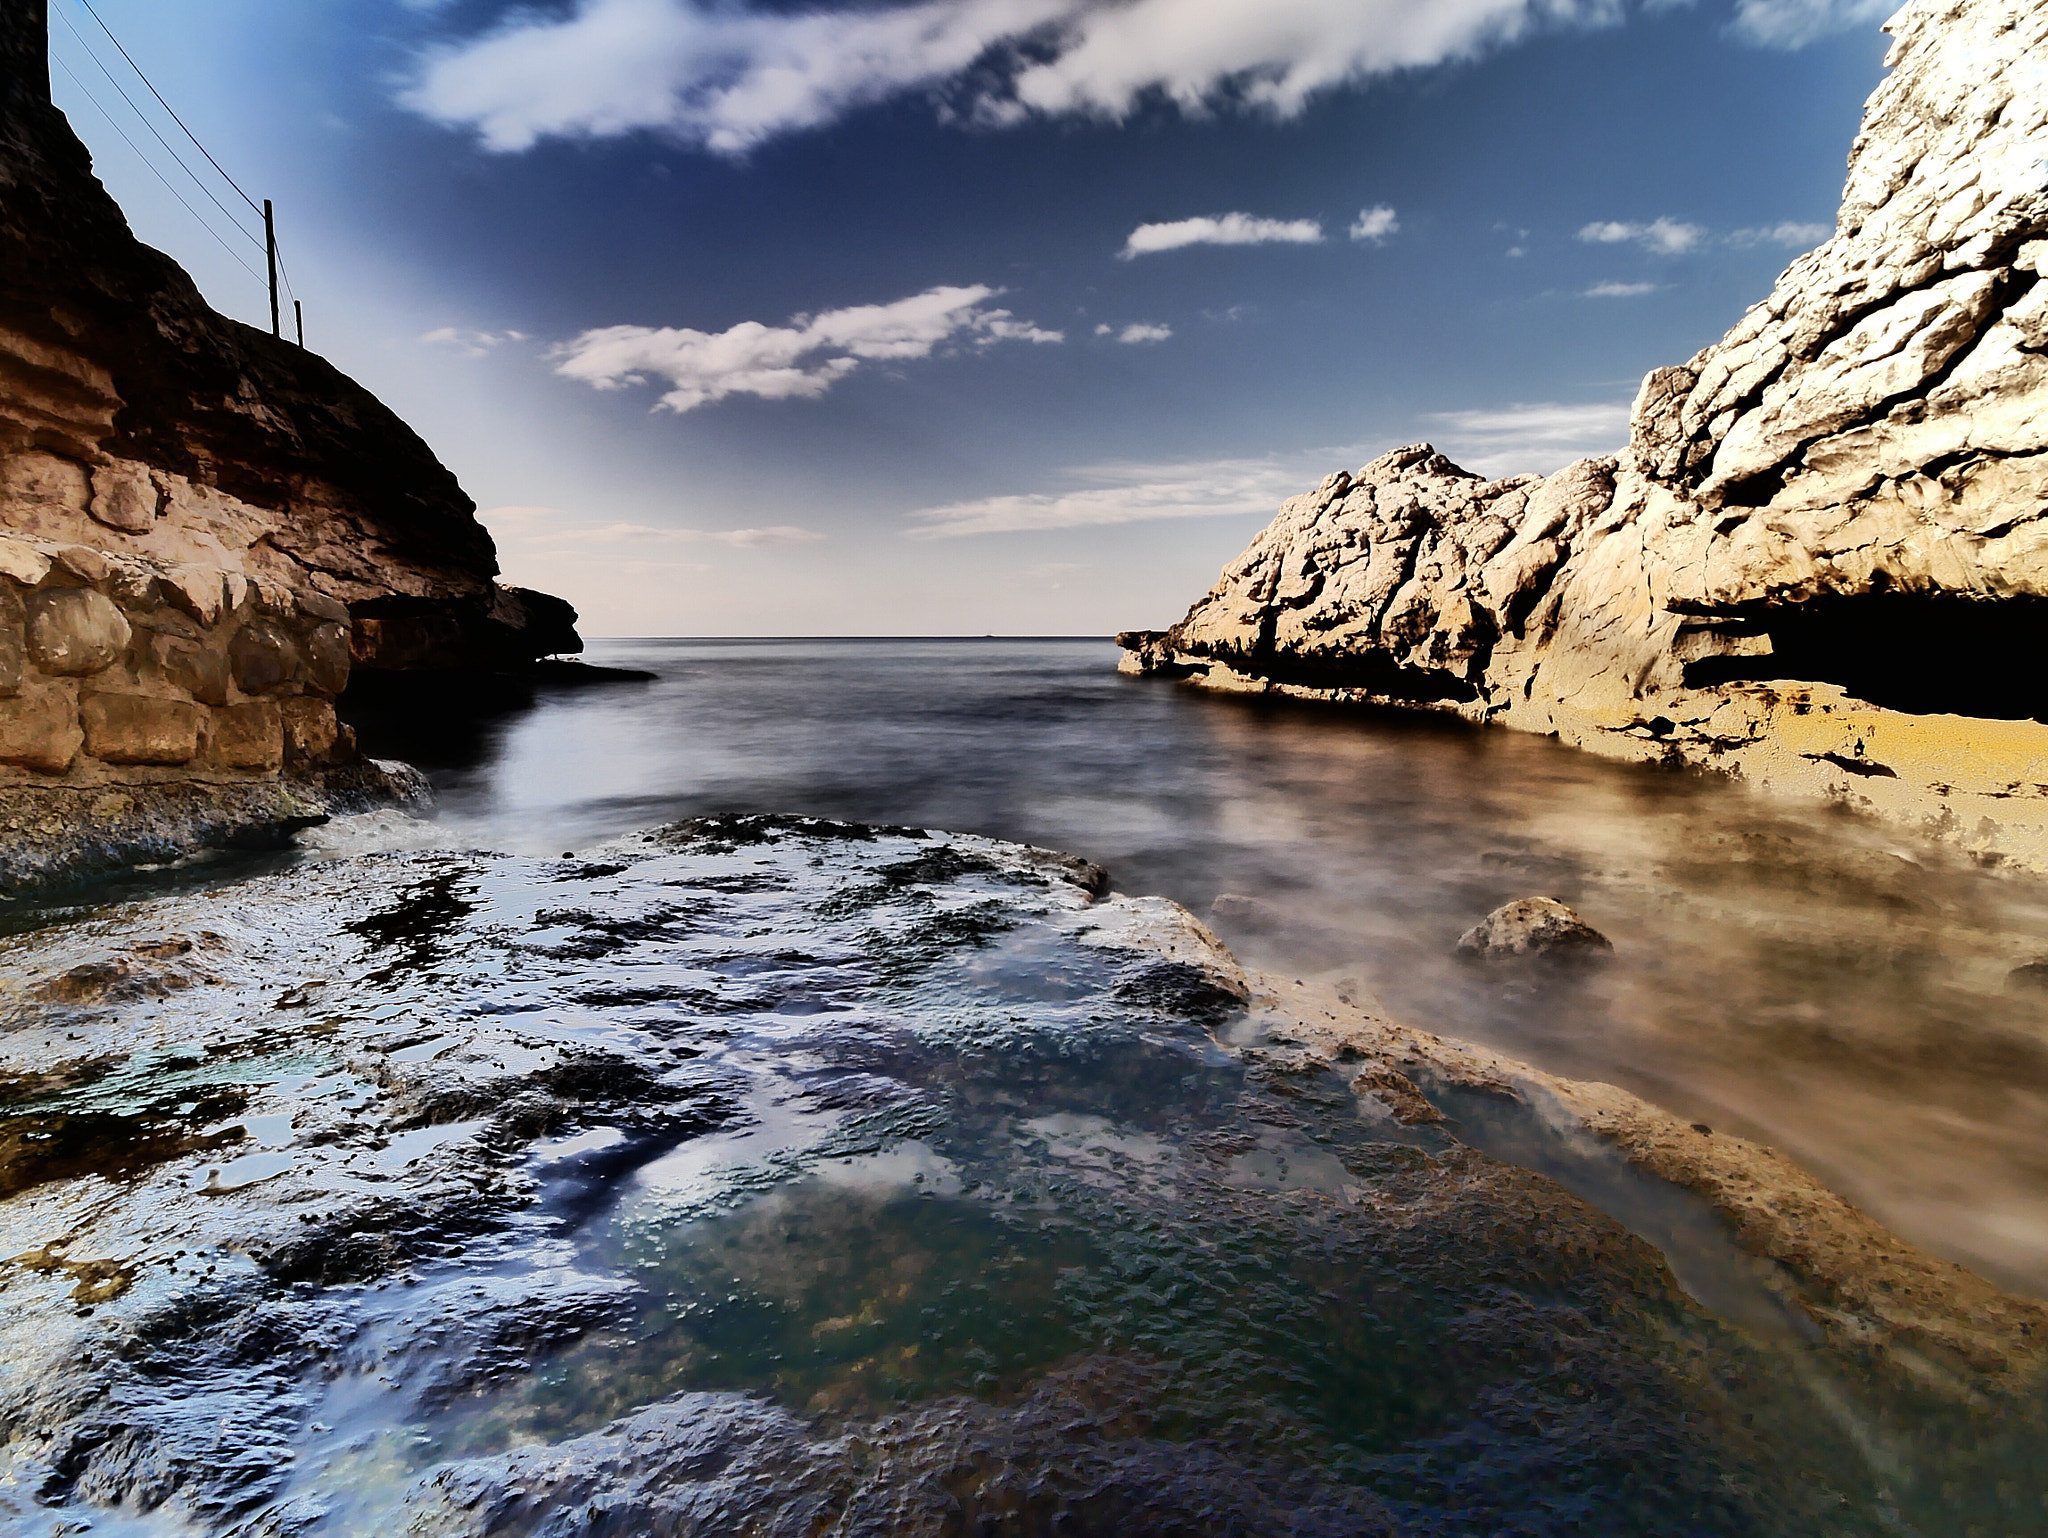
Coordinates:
[205,529]
[1822,560]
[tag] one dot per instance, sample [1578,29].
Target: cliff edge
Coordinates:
[203,531]
[1821,562]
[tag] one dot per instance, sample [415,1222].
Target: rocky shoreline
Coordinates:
[1819,556]
[686,1183]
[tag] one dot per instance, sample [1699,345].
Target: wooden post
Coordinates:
[299,320]
[270,250]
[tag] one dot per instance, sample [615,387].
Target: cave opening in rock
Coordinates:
[1924,654]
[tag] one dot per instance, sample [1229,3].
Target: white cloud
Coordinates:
[641,533]
[728,79]
[1113,494]
[1222,230]
[530,525]
[1612,290]
[1375,224]
[1795,23]
[1666,237]
[1797,236]
[1137,333]
[471,344]
[797,361]
[1536,438]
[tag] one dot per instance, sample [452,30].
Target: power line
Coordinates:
[95,15]
[269,243]
[144,120]
[159,175]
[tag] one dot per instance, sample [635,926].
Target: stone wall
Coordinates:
[1822,561]
[121,668]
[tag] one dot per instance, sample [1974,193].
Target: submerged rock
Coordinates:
[1534,926]
[774,1176]
[1821,548]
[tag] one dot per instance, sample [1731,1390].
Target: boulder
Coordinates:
[1534,926]
[74,632]
[263,657]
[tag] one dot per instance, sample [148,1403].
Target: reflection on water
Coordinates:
[1827,986]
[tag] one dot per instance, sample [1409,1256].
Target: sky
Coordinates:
[965,317]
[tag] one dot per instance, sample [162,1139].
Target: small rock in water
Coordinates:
[1534,926]
[2031,978]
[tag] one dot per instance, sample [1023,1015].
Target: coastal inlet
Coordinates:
[773,1175]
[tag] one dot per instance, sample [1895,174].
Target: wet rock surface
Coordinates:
[775,1176]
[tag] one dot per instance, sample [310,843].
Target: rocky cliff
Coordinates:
[203,529]
[1822,560]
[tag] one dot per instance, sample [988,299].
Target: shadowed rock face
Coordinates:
[203,529]
[135,418]
[1826,542]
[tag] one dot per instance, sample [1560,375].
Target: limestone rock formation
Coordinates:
[1822,560]
[203,529]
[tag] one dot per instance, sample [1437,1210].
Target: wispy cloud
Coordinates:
[1137,333]
[1673,237]
[797,361]
[729,78]
[1113,494]
[647,534]
[1221,230]
[471,344]
[1535,438]
[1613,290]
[546,525]
[1799,237]
[1666,237]
[1374,224]
[1795,23]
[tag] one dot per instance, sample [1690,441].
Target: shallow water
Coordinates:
[781,1176]
[1823,984]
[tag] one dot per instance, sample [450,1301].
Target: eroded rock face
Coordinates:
[1827,539]
[195,515]
[778,1176]
[134,418]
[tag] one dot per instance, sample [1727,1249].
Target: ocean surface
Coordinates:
[1791,973]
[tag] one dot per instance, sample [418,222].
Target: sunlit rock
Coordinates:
[1533,926]
[1823,557]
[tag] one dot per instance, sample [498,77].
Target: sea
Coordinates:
[1795,973]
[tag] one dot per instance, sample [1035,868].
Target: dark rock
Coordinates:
[2031,978]
[263,657]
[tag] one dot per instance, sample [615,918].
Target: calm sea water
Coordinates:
[1787,972]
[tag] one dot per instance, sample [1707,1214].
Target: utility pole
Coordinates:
[299,320]
[270,250]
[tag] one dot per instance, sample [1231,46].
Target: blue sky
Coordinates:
[966,316]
